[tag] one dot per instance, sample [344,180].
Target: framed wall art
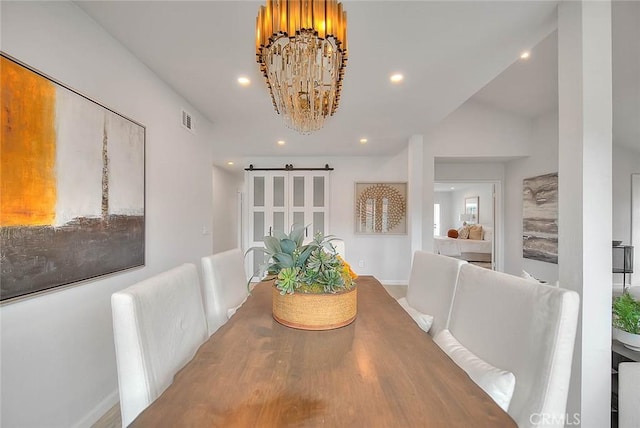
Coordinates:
[540,218]
[72,184]
[381,208]
[472,209]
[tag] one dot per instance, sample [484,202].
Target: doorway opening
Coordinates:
[468,206]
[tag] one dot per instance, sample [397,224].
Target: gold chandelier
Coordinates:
[301,46]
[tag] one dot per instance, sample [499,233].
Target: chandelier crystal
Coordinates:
[301,46]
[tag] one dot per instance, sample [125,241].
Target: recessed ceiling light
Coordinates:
[230,163]
[525,55]
[244,81]
[396,78]
[452,188]
[281,143]
[363,141]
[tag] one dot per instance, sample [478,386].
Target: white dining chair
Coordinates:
[628,395]
[431,288]
[158,326]
[634,291]
[523,328]
[225,286]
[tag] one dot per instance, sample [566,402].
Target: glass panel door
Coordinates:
[257,221]
[268,211]
[318,191]
[298,192]
[257,206]
[299,195]
[318,222]
[280,199]
[318,203]
[278,220]
[310,190]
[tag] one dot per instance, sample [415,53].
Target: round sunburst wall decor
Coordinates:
[381,207]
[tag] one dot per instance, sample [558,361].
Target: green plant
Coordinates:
[312,268]
[626,314]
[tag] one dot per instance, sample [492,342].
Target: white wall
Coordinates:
[453,204]
[226,211]
[492,174]
[387,257]
[58,362]
[476,130]
[543,160]
[469,171]
[446,212]
[473,130]
[484,192]
[626,161]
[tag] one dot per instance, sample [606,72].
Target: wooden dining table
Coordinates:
[382,370]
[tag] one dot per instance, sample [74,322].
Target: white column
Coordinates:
[585,198]
[428,176]
[414,198]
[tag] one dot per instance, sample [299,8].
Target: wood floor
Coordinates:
[396,291]
[112,418]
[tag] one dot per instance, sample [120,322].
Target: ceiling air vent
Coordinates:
[187,121]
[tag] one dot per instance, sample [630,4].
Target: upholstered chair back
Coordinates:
[432,284]
[525,328]
[225,286]
[628,395]
[158,326]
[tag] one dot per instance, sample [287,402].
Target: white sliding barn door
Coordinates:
[279,199]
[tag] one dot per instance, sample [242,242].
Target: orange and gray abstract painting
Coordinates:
[71,183]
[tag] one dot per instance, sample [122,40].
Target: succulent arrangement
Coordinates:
[315,267]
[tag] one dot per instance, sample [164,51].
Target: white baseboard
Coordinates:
[394,281]
[97,412]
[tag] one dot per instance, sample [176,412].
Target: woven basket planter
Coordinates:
[315,311]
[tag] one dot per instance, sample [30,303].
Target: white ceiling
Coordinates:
[447,50]
[528,87]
